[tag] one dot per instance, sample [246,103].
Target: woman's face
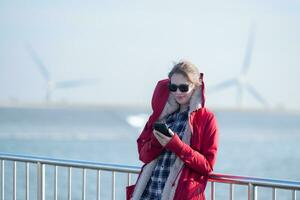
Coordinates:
[182,97]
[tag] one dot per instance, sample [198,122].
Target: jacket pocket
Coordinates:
[129,191]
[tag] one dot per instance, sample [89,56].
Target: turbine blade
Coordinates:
[222,85]
[256,95]
[40,65]
[75,83]
[249,50]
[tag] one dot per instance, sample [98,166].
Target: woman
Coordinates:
[177,167]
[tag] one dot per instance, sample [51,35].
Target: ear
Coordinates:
[201,78]
[200,81]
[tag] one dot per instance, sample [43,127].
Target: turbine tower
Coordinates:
[51,85]
[240,82]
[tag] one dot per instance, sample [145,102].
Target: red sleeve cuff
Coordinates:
[175,145]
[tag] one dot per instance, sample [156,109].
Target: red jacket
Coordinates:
[198,158]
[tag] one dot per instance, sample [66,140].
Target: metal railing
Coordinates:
[42,163]
[253,184]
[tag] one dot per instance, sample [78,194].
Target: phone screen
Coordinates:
[162,127]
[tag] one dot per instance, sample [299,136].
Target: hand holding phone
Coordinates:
[162,128]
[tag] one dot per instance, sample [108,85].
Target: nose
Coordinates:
[178,91]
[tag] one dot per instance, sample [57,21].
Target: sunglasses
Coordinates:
[181,87]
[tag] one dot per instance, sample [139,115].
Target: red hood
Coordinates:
[161,95]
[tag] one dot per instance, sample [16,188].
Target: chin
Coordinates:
[182,101]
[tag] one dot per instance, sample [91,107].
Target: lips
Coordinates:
[180,97]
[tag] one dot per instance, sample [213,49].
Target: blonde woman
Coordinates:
[177,165]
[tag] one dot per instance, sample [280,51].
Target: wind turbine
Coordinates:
[240,82]
[53,85]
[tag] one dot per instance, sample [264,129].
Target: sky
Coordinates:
[129,45]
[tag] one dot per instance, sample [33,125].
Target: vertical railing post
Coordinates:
[41,181]
[212,191]
[27,181]
[252,192]
[70,184]
[83,183]
[294,196]
[98,184]
[2,179]
[231,193]
[128,179]
[274,196]
[55,182]
[113,185]
[15,181]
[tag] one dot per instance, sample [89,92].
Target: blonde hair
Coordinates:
[188,70]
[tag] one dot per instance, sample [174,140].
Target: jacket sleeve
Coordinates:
[148,146]
[200,162]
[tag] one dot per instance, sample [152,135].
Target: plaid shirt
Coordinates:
[176,122]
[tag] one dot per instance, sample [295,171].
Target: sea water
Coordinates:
[251,144]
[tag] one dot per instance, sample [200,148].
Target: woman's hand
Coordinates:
[163,139]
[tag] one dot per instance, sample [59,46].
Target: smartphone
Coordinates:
[162,127]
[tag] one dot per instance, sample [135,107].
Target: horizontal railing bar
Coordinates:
[70,163]
[263,185]
[262,182]
[221,178]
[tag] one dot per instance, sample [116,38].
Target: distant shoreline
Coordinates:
[136,106]
[72,105]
